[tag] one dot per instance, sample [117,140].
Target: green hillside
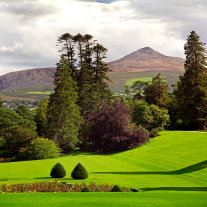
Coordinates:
[169,170]
[171,160]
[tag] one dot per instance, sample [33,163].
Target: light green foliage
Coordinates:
[130,82]
[40,148]
[191,92]
[157,92]
[63,113]
[150,117]
[41,117]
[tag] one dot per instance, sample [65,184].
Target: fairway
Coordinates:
[174,161]
[150,199]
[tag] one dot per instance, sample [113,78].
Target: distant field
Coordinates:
[40,92]
[131,81]
[170,170]
[120,79]
[37,92]
[10,98]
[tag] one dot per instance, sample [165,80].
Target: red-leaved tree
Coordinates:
[112,129]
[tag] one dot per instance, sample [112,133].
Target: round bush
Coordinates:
[58,171]
[116,188]
[40,148]
[85,189]
[79,172]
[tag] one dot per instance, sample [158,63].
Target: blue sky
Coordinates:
[30,28]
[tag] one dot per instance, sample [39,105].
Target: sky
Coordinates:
[29,29]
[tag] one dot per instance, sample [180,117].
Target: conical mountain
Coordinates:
[147,59]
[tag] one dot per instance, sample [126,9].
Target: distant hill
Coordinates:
[25,78]
[147,59]
[144,60]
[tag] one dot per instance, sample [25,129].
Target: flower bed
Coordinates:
[55,187]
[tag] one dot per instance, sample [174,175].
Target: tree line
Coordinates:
[82,111]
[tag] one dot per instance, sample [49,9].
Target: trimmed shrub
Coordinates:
[116,188]
[58,171]
[79,172]
[40,148]
[85,189]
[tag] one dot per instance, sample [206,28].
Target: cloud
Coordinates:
[30,28]
[180,17]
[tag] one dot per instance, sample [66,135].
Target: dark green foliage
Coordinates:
[15,130]
[63,113]
[41,118]
[85,57]
[116,188]
[85,189]
[1,103]
[157,92]
[27,116]
[151,117]
[79,172]
[40,148]
[58,171]
[191,92]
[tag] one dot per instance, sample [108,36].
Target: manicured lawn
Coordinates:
[152,199]
[171,168]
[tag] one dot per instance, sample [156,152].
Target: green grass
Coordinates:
[40,92]
[171,168]
[131,81]
[150,199]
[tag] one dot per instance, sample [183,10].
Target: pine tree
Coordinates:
[63,113]
[191,92]
[157,92]
[66,40]
[86,57]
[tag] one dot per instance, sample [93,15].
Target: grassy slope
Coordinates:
[172,169]
[149,166]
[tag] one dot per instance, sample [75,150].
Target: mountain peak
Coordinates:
[147,59]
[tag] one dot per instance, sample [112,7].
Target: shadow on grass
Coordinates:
[45,178]
[189,169]
[192,168]
[176,189]
[50,178]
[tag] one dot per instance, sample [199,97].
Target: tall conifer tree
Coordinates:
[191,93]
[63,113]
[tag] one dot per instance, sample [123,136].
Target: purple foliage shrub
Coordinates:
[112,129]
